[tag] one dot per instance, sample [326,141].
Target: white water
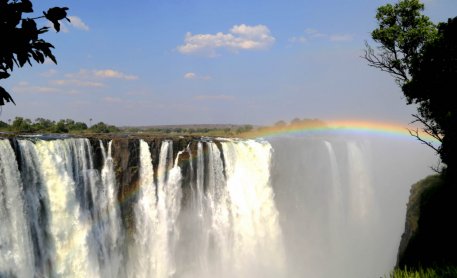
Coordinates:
[68,227]
[72,211]
[257,250]
[109,230]
[15,238]
[293,208]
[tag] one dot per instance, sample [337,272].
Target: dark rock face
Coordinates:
[97,152]
[430,237]
[126,161]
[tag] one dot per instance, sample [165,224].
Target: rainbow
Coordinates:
[343,127]
[316,128]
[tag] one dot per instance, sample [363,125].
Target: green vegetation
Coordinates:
[41,125]
[438,272]
[196,130]
[21,42]
[421,56]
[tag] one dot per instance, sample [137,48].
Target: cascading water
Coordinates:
[290,207]
[16,257]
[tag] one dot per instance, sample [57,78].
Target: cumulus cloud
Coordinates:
[239,37]
[193,75]
[77,23]
[313,34]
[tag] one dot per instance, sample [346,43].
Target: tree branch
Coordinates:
[429,129]
[385,63]
[415,133]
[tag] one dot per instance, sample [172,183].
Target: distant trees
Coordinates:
[280,123]
[22,125]
[422,58]
[298,122]
[20,38]
[41,125]
[3,125]
[101,127]
[244,128]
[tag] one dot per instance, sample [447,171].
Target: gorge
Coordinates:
[286,206]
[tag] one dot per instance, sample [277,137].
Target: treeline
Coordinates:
[226,131]
[41,125]
[299,122]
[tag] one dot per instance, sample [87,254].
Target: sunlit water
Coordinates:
[286,207]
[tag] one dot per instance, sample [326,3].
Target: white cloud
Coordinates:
[77,23]
[25,87]
[109,73]
[79,83]
[313,34]
[240,37]
[190,75]
[214,97]
[101,74]
[193,75]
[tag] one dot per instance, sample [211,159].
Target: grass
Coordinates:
[437,272]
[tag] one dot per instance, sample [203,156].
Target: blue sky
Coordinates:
[200,61]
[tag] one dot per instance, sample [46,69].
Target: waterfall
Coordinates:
[156,214]
[256,232]
[109,225]
[62,166]
[287,207]
[15,239]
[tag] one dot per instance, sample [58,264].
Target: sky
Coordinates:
[157,62]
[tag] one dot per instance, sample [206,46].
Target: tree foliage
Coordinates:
[401,34]
[101,127]
[433,87]
[21,42]
[41,125]
[421,57]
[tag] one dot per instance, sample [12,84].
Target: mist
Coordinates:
[342,201]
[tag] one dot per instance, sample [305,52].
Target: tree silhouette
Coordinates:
[421,58]
[433,87]
[21,42]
